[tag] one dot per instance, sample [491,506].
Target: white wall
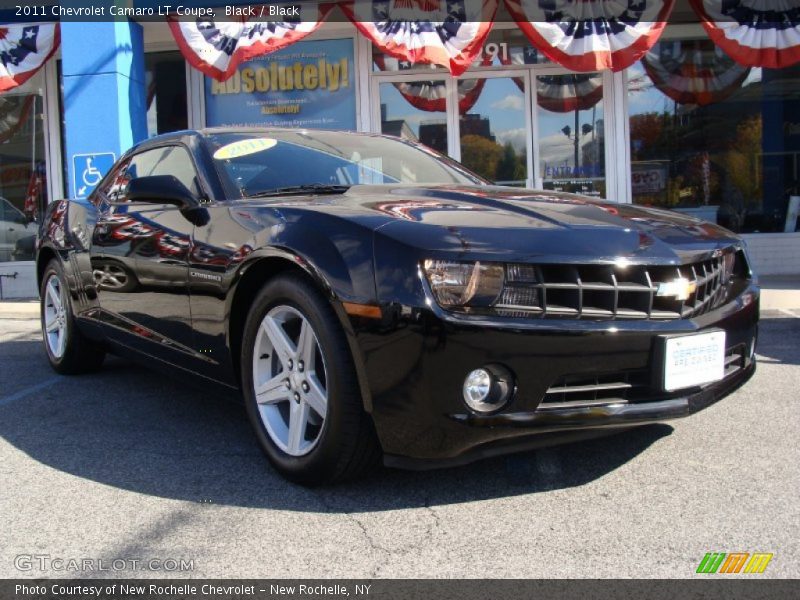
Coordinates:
[774,253]
[21,286]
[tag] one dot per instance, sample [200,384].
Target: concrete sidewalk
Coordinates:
[777,293]
[19,309]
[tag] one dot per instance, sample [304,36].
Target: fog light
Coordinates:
[488,389]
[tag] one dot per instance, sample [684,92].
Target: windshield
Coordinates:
[256,163]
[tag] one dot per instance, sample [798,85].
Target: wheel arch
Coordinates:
[253,275]
[43,258]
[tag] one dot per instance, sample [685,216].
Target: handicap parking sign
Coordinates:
[88,170]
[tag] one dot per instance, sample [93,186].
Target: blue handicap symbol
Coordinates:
[88,170]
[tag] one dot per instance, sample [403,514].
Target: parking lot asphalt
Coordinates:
[131,466]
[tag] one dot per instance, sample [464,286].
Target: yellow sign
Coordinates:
[278,77]
[244,147]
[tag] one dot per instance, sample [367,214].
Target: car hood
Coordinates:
[504,223]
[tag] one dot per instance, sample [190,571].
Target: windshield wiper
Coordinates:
[307,188]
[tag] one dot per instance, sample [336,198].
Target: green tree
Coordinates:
[482,155]
[511,167]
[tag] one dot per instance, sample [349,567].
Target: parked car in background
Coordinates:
[14,226]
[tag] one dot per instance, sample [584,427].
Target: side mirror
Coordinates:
[161,189]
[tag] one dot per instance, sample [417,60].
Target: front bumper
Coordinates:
[416,360]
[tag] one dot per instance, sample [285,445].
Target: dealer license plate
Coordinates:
[691,360]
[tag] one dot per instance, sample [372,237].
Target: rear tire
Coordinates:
[68,350]
[295,351]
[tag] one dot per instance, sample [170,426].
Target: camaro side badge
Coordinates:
[680,288]
[206,276]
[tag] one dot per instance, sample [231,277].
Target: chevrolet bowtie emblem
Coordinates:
[680,288]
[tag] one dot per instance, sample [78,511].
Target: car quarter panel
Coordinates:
[66,231]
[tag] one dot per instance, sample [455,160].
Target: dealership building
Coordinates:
[685,126]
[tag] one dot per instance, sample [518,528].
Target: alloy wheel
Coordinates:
[111,276]
[55,316]
[290,380]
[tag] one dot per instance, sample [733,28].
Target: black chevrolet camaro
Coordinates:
[372,298]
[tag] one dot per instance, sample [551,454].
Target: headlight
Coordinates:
[465,284]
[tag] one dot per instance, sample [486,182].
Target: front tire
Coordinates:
[68,350]
[300,386]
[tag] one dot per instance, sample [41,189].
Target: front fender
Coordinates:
[335,253]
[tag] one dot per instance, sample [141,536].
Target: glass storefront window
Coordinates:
[493,133]
[401,117]
[571,134]
[713,138]
[23,185]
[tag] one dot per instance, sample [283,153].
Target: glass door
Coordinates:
[415,109]
[494,128]
[571,135]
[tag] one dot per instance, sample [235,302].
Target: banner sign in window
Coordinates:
[308,84]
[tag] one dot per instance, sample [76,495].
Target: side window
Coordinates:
[168,160]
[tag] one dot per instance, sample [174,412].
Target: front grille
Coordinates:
[621,387]
[617,292]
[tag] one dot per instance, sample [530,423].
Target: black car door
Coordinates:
[140,255]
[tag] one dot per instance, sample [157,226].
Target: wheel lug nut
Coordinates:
[300,366]
[290,364]
[305,386]
[288,384]
[296,397]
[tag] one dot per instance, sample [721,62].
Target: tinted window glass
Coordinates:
[169,160]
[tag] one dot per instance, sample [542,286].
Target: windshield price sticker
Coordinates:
[244,147]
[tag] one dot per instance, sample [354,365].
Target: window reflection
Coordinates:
[493,133]
[23,183]
[712,138]
[571,133]
[400,117]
